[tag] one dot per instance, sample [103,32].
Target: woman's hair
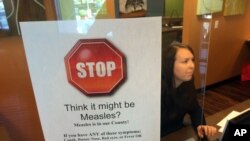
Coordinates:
[174,100]
[168,60]
[168,90]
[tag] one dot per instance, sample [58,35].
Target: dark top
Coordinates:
[176,104]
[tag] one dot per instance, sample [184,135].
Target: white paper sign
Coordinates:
[131,113]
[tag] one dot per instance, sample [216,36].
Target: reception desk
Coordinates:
[214,119]
[187,133]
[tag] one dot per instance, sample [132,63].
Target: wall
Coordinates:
[227,52]
[155,8]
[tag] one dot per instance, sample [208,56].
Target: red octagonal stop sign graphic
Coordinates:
[95,66]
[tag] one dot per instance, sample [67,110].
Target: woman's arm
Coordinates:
[206,130]
[199,123]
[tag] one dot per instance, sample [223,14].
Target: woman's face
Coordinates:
[183,66]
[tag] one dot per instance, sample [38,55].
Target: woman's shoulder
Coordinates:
[188,84]
[187,89]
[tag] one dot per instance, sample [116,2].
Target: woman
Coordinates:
[179,93]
